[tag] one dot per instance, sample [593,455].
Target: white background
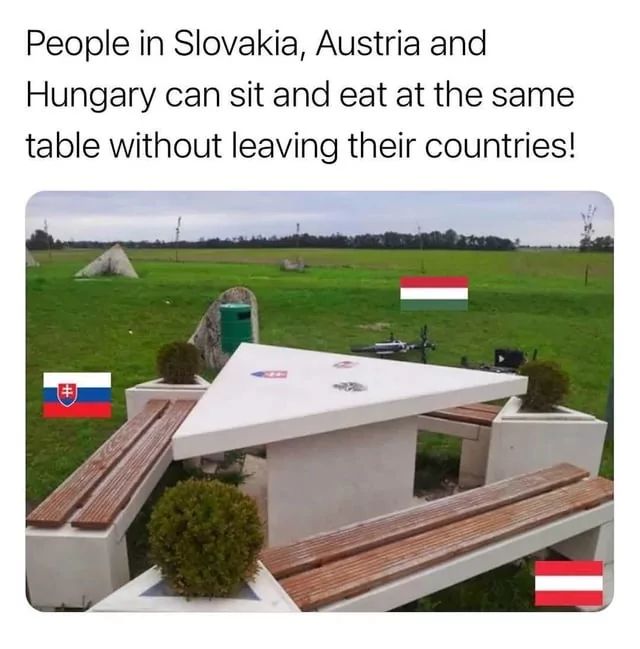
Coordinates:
[587,45]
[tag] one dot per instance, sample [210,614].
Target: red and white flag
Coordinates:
[569,583]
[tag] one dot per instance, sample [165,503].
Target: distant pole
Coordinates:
[421,250]
[586,274]
[178,235]
[609,410]
[587,228]
[297,235]
[46,231]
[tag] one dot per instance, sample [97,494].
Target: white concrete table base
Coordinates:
[322,482]
[149,593]
[340,430]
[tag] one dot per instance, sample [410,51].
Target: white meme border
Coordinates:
[585,44]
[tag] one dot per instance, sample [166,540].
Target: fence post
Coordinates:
[609,410]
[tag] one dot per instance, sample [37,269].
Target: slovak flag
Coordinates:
[85,395]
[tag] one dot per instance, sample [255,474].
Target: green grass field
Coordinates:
[526,299]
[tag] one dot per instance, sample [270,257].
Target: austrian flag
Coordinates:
[569,583]
[85,395]
[434,293]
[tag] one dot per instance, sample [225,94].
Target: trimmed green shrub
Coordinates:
[205,537]
[178,362]
[548,386]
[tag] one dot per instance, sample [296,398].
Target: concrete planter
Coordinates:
[149,593]
[138,395]
[526,441]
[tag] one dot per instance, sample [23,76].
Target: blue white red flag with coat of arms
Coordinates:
[84,395]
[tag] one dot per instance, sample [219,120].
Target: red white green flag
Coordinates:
[434,293]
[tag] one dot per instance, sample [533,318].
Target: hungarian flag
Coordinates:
[85,395]
[569,583]
[434,293]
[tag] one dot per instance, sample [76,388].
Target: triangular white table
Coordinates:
[340,431]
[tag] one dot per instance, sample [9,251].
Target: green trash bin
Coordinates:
[235,326]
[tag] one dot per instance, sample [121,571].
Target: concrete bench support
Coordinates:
[474,448]
[595,545]
[71,568]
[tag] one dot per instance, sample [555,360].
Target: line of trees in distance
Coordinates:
[599,244]
[436,240]
[449,240]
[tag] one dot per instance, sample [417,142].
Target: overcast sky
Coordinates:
[536,218]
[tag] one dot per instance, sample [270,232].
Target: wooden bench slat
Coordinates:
[323,548]
[56,509]
[362,572]
[488,408]
[114,492]
[467,416]
[483,407]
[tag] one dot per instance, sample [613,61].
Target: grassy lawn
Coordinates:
[527,299]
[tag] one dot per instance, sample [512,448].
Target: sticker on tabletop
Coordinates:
[344,365]
[569,583]
[82,395]
[271,374]
[434,293]
[350,386]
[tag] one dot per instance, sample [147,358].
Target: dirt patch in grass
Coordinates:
[375,326]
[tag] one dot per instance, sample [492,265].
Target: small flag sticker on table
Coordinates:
[569,583]
[271,374]
[434,293]
[85,395]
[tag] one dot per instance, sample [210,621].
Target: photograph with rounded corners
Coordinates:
[319,401]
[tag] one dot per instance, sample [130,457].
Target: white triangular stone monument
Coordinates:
[31,260]
[112,262]
[266,393]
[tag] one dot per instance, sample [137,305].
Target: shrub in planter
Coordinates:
[178,362]
[205,536]
[548,386]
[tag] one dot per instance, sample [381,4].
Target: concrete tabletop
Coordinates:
[266,393]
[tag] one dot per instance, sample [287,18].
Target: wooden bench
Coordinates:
[76,550]
[472,424]
[479,414]
[388,561]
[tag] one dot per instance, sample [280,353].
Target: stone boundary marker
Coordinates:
[207,335]
[297,265]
